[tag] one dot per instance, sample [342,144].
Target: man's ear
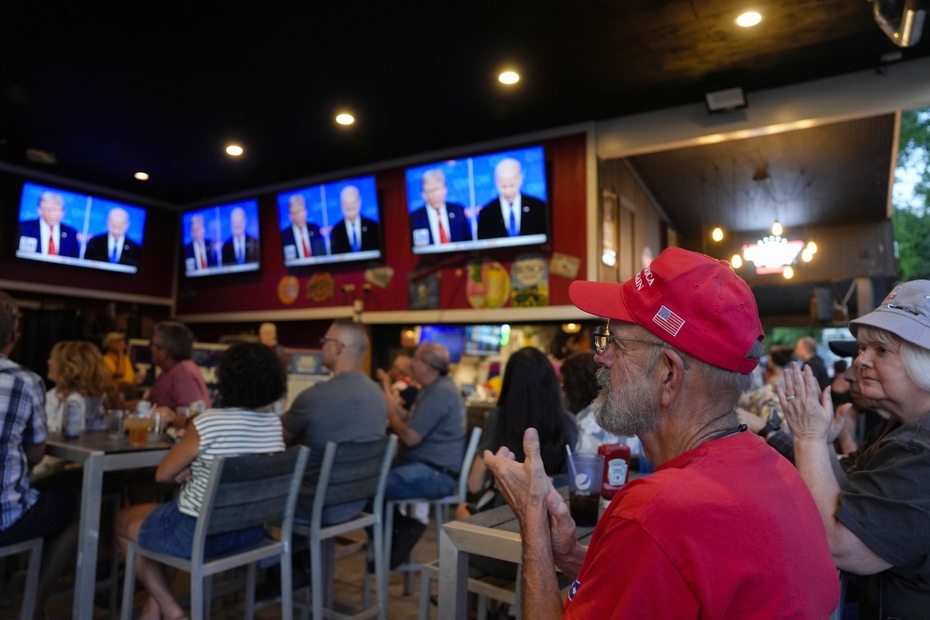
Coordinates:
[672,367]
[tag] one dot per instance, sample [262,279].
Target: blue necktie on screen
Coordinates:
[113,254]
[355,244]
[239,253]
[512,227]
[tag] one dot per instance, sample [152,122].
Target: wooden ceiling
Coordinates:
[115,88]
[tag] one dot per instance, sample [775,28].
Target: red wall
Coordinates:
[156,260]
[565,159]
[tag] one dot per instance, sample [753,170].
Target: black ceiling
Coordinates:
[831,174]
[115,88]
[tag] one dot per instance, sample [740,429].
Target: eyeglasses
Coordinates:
[324,340]
[602,338]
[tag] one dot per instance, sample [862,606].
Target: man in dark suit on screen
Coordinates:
[301,239]
[114,246]
[512,213]
[240,248]
[46,234]
[354,233]
[200,253]
[438,221]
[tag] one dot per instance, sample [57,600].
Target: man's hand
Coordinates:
[524,485]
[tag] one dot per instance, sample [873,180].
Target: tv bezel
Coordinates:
[221,270]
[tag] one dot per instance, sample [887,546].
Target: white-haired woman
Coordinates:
[876,513]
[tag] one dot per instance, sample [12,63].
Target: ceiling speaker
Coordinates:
[901,20]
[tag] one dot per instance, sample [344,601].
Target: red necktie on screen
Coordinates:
[52,250]
[203,257]
[303,241]
[443,236]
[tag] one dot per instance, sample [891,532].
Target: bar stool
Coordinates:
[34,547]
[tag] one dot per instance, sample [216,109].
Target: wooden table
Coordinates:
[495,534]
[99,453]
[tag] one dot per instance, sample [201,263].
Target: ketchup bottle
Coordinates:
[616,468]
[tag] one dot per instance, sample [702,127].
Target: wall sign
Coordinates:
[530,277]
[321,287]
[488,285]
[288,288]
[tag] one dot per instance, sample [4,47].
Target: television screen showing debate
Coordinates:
[221,239]
[487,201]
[330,223]
[59,226]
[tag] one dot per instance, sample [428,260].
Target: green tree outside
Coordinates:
[911,218]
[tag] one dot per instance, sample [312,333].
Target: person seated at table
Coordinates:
[529,398]
[81,378]
[116,360]
[251,378]
[725,527]
[180,382]
[24,512]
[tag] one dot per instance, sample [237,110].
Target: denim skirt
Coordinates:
[168,530]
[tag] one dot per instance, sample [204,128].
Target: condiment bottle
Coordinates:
[616,468]
[74,419]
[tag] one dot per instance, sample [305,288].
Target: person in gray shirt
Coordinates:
[348,407]
[432,443]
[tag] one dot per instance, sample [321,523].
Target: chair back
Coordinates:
[248,491]
[466,463]
[345,472]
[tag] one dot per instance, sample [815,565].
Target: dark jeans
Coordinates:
[48,516]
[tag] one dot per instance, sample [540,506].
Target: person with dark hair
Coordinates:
[181,381]
[760,410]
[806,350]
[24,512]
[251,378]
[724,528]
[430,436]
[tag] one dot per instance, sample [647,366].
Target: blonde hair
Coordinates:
[80,369]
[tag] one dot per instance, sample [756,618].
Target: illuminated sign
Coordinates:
[772,254]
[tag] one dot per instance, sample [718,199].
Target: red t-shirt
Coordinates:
[180,386]
[727,530]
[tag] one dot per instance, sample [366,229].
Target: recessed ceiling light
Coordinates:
[142,176]
[748,19]
[234,149]
[508,77]
[345,119]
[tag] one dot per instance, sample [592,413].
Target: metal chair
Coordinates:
[348,472]
[242,492]
[34,547]
[486,588]
[440,505]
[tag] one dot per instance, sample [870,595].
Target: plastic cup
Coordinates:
[138,427]
[584,488]
[180,419]
[115,419]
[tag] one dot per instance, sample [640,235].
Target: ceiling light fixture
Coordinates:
[509,77]
[737,261]
[142,176]
[788,273]
[777,229]
[234,149]
[717,235]
[345,118]
[748,19]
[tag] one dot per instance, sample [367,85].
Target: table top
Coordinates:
[58,445]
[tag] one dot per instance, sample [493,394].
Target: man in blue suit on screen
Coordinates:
[199,254]
[512,213]
[353,233]
[114,246]
[301,239]
[241,247]
[438,221]
[46,234]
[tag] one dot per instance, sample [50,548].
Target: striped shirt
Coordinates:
[22,422]
[227,432]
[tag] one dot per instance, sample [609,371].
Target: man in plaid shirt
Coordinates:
[25,513]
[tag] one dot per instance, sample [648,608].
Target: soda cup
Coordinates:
[584,488]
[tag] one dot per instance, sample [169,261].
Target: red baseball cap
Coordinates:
[691,301]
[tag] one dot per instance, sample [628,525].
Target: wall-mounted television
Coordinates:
[449,336]
[482,340]
[330,223]
[60,226]
[221,239]
[472,203]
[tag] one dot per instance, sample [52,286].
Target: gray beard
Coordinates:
[632,411]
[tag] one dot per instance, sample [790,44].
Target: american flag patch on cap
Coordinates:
[668,320]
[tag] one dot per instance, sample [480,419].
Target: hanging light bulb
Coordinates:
[812,247]
[788,273]
[736,261]
[777,229]
[806,255]
[717,234]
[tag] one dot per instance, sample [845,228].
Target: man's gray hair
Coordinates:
[436,356]
[177,338]
[433,174]
[352,335]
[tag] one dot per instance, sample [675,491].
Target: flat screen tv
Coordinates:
[482,340]
[221,239]
[330,223]
[473,203]
[60,226]
[449,336]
